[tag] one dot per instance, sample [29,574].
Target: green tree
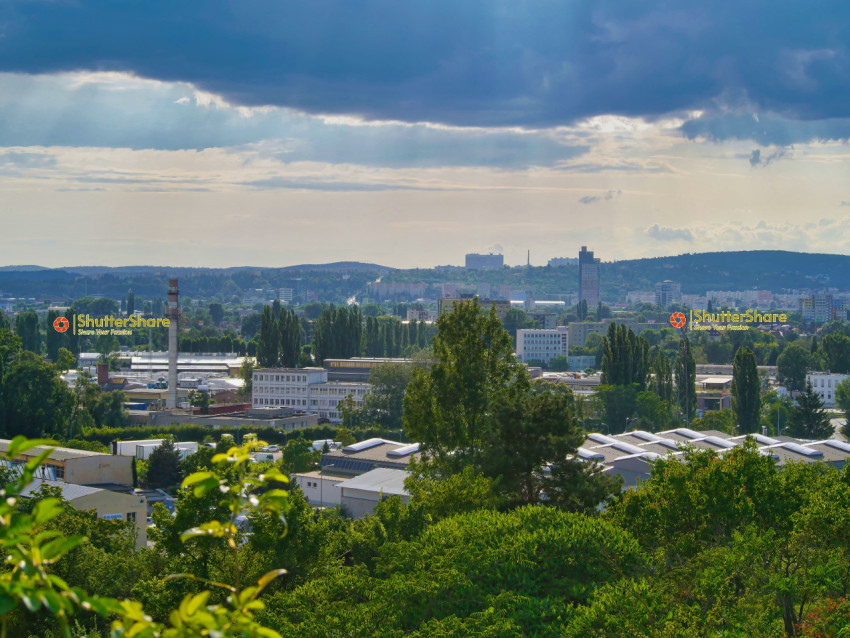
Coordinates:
[835,352]
[131,303]
[216,313]
[685,370]
[65,360]
[26,327]
[619,403]
[269,341]
[289,347]
[53,339]
[626,357]
[662,377]
[842,401]
[516,319]
[384,403]
[109,412]
[200,399]
[792,365]
[337,334]
[36,401]
[724,420]
[809,419]
[164,466]
[746,390]
[246,373]
[447,409]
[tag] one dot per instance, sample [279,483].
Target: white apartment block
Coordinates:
[824,384]
[542,345]
[306,389]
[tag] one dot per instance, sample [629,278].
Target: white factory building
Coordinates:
[824,384]
[306,389]
[542,345]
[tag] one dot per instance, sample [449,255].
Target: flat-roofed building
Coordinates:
[542,345]
[106,504]
[307,389]
[631,454]
[80,467]
[360,495]
[323,487]
[824,384]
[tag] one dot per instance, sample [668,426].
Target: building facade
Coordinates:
[306,389]
[588,277]
[475,261]
[542,345]
[824,384]
[667,292]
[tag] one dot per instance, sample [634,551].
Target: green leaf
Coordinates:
[269,577]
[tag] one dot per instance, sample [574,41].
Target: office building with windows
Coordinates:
[588,277]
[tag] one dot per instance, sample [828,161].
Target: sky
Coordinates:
[272,133]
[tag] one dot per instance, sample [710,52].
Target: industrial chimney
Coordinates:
[173,314]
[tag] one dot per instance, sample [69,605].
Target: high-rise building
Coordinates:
[588,277]
[485,262]
[667,292]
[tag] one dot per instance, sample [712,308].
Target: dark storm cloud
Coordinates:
[477,62]
[131,113]
[766,129]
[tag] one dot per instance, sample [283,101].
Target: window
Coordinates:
[131,517]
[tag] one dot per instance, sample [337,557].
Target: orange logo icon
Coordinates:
[60,324]
[677,319]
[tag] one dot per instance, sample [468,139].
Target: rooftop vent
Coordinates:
[404,451]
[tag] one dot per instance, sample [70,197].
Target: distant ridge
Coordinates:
[22,268]
[125,270]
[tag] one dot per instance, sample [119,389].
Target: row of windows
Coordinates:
[293,378]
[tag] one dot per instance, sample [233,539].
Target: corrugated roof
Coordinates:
[69,490]
[58,453]
[380,480]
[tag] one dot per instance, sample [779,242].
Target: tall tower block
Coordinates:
[173,313]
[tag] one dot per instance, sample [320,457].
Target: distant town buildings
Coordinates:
[447,304]
[561,262]
[588,277]
[822,307]
[667,292]
[381,290]
[491,261]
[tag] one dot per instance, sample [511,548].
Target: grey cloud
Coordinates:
[844,203]
[660,233]
[609,195]
[90,111]
[757,160]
